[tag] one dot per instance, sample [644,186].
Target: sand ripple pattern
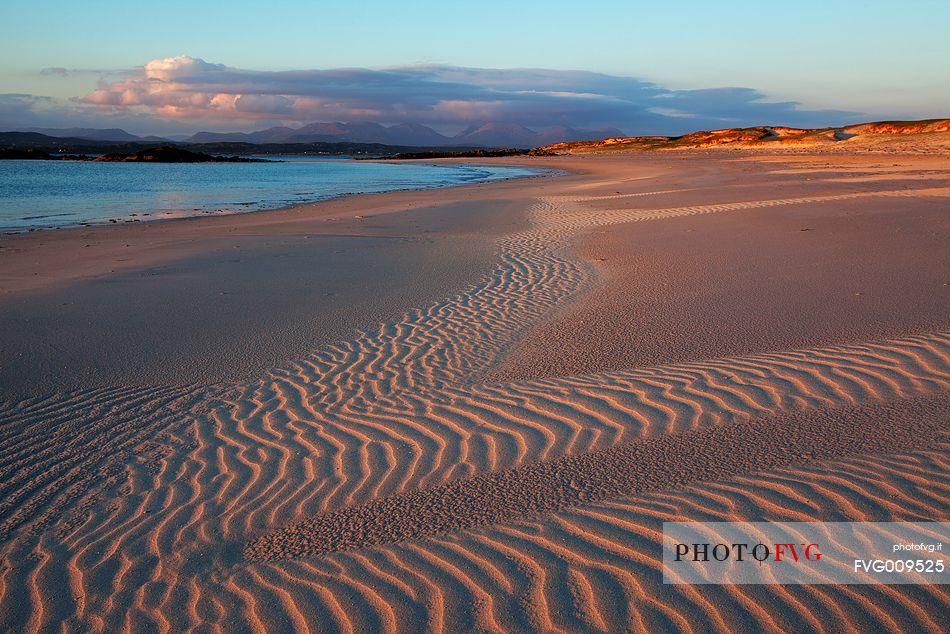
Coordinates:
[667,461]
[155,534]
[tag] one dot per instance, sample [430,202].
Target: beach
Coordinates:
[473,408]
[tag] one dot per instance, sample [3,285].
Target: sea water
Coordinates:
[51,194]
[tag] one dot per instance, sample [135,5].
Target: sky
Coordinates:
[641,67]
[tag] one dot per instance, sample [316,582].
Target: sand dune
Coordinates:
[925,136]
[383,483]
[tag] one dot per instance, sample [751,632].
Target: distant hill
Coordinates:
[95,134]
[43,141]
[506,134]
[417,134]
[925,135]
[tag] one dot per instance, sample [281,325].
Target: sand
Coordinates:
[492,437]
[246,304]
[709,285]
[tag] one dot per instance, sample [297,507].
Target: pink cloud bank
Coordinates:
[187,92]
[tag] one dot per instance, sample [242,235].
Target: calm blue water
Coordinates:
[40,194]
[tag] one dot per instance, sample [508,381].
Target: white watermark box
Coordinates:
[806,552]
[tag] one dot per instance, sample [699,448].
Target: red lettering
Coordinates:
[781,548]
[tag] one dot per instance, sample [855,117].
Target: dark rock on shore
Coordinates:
[29,154]
[172,154]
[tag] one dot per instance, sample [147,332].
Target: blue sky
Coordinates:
[836,60]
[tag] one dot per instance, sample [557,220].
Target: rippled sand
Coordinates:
[440,472]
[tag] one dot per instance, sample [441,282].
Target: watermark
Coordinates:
[806,552]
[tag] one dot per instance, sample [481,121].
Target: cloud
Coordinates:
[58,71]
[190,93]
[22,111]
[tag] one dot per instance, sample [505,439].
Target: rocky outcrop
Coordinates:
[28,154]
[171,154]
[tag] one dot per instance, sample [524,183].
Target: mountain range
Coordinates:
[404,134]
[488,135]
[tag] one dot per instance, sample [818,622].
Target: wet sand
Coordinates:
[490,437]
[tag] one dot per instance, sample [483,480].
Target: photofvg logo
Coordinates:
[805,552]
[741,551]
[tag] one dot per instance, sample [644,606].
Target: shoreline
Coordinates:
[181,214]
[157,240]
